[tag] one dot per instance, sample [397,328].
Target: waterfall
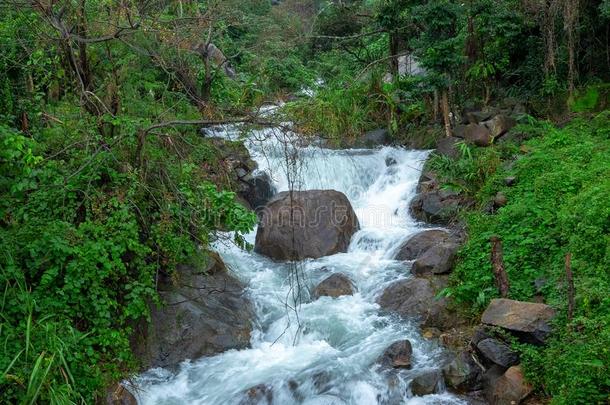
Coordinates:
[322,351]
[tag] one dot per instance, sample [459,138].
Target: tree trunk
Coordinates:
[497,263]
[445,108]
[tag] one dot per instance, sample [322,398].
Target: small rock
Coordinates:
[439,259]
[478,135]
[334,286]
[500,199]
[427,383]
[258,395]
[497,352]
[527,320]
[398,355]
[430,333]
[510,181]
[511,388]
[420,243]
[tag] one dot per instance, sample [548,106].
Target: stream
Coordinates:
[321,352]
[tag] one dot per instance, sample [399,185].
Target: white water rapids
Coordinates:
[321,352]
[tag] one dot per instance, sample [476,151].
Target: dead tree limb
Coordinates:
[498,266]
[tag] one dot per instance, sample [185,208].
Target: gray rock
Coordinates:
[426,383]
[463,374]
[447,146]
[421,242]
[416,298]
[436,206]
[499,125]
[259,190]
[335,285]
[527,320]
[478,135]
[204,312]
[476,117]
[398,355]
[311,224]
[497,352]
[434,252]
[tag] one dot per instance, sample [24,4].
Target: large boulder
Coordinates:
[397,355]
[511,388]
[334,286]
[204,311]
[433,251]
[478,135]
[310,224]
[416,298]
[526,320]
[436,206]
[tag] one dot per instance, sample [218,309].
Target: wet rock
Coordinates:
[398,355]
[500,199]
[335,285]
[510,181]
[119,395]
[261,394]
[427,182]
[311,224]
[426,383]
[497,352]
[478,135]
[259,189]
[499,125]
[436,206]
[439,259]
[204,312]
[527,320]
[447,146]
[390,161]
[463,374]
[421,242]
[511,388]
[416,298]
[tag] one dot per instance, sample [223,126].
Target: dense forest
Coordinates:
[107,182]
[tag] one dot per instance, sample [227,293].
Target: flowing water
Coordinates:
[322,351]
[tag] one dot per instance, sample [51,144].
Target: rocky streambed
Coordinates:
[339,301]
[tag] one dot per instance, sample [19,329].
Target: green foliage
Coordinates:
[558,206]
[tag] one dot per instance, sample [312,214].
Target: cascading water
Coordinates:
[322,351]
